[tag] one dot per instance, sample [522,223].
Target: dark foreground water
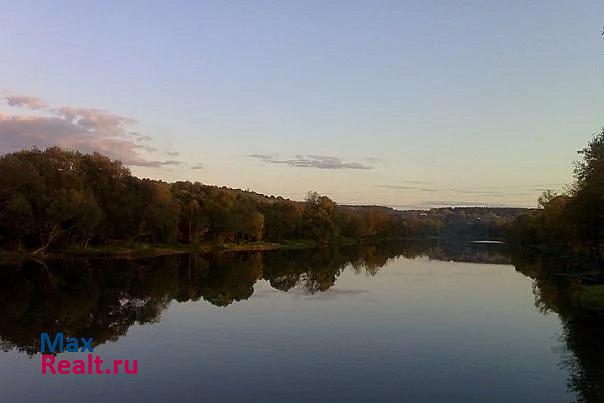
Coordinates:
[407,323]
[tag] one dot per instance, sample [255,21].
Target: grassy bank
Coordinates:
[591,297]
[135,250]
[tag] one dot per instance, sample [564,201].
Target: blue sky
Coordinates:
[402,103]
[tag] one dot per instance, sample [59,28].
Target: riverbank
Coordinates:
[138,250]
[133,250]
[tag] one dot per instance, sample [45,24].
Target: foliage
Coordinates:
[57,199]
[571,224]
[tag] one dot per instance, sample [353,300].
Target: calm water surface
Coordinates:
[412,324]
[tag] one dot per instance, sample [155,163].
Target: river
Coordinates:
[399,323]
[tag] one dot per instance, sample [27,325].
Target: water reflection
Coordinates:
[582,350]
[104,298]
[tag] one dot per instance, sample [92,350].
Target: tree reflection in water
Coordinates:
[102,298]
[582,350]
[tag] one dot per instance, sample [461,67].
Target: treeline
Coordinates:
[56,199]
[462,223]
[570,225]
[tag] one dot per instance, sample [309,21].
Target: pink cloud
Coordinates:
[26,102]
[96,120]
[85,130]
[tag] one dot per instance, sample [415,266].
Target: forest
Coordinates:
[568,228]
[56,199]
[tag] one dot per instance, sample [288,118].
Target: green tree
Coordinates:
[587,206]
[319,218]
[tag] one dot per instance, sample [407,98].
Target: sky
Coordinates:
[411,104]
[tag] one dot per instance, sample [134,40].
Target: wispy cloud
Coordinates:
[159,164]
[140,137]
[198,166]
[25,101]
[173,153]
[478,192]
[83,129]
[486,191]
[458,203]
[407,187]
[311,161]
[97,121]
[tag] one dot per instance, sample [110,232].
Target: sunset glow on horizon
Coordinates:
[411,104]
